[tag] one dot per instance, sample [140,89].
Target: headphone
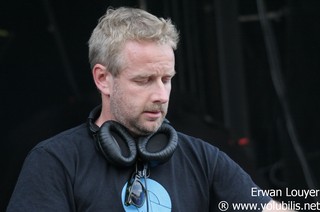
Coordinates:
[120,148]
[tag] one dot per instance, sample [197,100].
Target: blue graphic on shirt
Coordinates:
[158,198]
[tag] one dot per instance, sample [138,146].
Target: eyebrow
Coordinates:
[145,75]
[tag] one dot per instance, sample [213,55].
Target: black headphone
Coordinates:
[121,149]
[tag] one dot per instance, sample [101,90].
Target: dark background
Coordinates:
[224,91]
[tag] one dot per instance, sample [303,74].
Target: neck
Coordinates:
[104,116]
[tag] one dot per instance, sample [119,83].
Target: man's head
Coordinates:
[132,59]
[120,25]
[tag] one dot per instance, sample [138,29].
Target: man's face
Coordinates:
[140,94]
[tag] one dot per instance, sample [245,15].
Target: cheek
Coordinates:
[127,97]
[169,88]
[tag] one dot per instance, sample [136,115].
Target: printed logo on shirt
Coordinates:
[158,198]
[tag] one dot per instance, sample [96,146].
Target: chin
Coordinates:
[147,130]
[145,127]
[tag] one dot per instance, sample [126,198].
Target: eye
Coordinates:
[167,79]
[142,80]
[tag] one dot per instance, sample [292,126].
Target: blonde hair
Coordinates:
[123,24]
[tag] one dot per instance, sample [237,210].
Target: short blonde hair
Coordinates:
[120,25]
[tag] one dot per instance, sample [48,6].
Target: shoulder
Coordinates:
[204,148]
[64,151]
[66,146]
[217,163]
[197,147]
[70,138]
[188,141]
[198,154]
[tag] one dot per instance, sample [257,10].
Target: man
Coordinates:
[128,157]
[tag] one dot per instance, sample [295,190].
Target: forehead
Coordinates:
[148,53]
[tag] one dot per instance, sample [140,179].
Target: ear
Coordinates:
[102,78]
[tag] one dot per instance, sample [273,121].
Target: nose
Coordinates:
[161,92]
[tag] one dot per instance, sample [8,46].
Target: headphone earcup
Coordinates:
[116,144]
[159,147]
[121,149]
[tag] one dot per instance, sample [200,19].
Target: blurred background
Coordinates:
[247,80]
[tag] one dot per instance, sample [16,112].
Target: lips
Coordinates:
[155,111]
[154,114]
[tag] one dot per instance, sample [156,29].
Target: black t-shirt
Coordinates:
[68,173]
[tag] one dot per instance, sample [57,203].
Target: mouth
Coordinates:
[153,114]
